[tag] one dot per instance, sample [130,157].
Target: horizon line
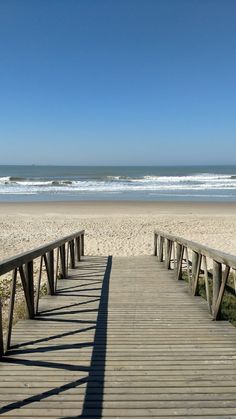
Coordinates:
[119,165]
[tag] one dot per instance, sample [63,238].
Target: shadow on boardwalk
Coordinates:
[93,381]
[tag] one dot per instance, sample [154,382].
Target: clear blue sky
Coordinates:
[117,81]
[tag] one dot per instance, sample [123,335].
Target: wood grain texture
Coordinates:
[121,338]
[217,255]
[23,258]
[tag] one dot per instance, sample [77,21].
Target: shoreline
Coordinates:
[117,206]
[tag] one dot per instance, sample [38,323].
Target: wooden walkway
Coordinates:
[122,338]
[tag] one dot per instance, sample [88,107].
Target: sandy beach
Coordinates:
[117,228]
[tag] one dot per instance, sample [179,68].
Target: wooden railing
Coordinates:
[56,257]
[184,255]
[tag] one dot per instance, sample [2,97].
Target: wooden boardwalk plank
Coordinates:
[120,339]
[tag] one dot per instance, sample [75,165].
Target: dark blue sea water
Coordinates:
[54,183]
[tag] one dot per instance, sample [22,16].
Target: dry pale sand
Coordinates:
[117,228]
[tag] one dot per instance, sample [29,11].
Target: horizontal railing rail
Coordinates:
[175,251]
[56,257]
[18,260]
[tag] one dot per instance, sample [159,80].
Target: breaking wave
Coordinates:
[198,182]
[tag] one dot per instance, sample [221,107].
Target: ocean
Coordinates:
[147,183]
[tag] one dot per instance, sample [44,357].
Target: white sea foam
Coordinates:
[204,177]
[4,179]
[115,184]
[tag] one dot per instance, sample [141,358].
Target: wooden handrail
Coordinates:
[56,256]
[174,250]
[215,254]
[19,260]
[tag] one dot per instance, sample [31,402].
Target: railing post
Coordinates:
[29,277]
[62,250]
[165,251]
[50,260]
[160,253]
[194,268]
[1,332]
[167,256]
[174,256]
[155,244]
[217,278]
[197,269]
[72,254]
[82,244]
[11,309]
[78,248]
[179,255]
[170,253]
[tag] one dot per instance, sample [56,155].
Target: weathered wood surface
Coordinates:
[23,258]
[132,343]
[56,257]
[176,256]
[213,254]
